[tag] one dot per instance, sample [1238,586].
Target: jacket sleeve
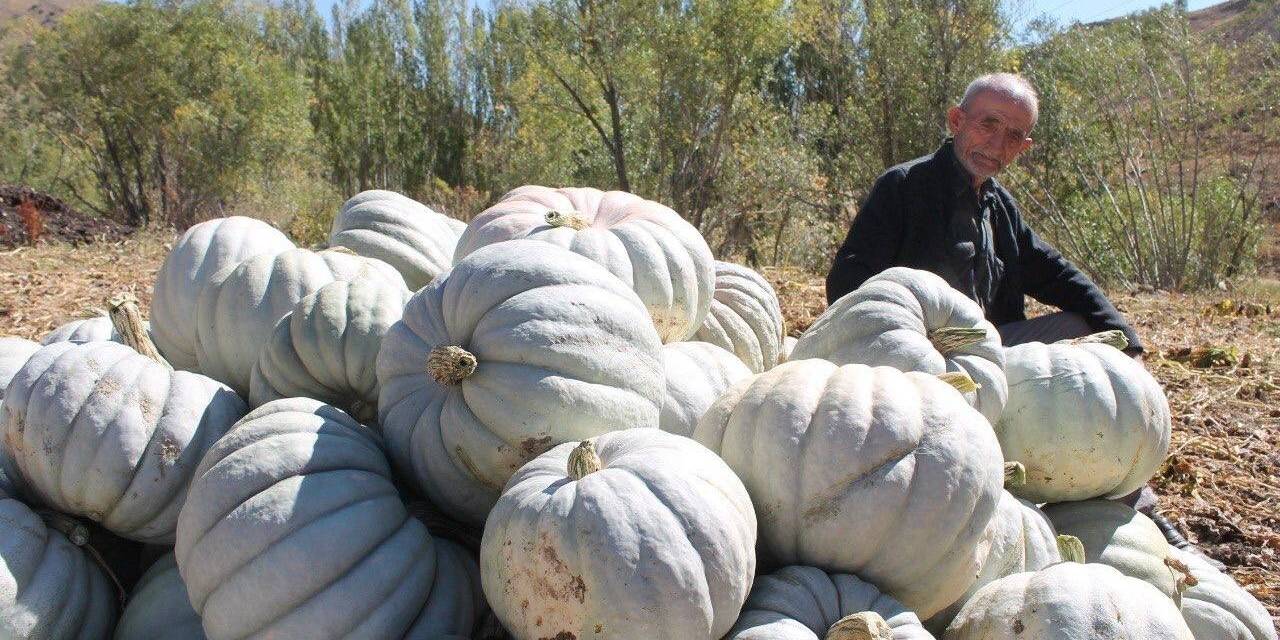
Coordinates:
[1053,280]
[873,239]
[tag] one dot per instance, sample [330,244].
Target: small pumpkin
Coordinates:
[398,230]
[236,316]
[697,374]
[1068,601]
[52,589]
[886,475]
[1216,608]
[293,528]
[805,603]
[912,320]
[645,244]
[158,608]
[1116,535]
[1085,419]
[204,254]
[634,534]
[327,347]
[521,346]
[745,317]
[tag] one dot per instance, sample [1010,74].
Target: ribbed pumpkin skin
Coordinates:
[236,316]
[158,608]
[327,347]
[293,529]
[1118,536]
[801,603]
[14,353]
[1086,420]
[887,475]
[565,352]
[398,230]
[1022,539]
[697,373]
[127,434]
[745,317]
[1217,608]
[659,543]
[888,321]
[644,243]
[49,588]
[204,254]
[1069,601]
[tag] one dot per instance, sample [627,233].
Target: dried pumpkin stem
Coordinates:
[1015,475]
[948,339]
[450,364]
[584,461]
[570,219]
[867,625]
[1071,549]
[1186,580]
[127,321]
[960,380]
[1114,338]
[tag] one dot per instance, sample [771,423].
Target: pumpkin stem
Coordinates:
[1071,549]
[571,219]
[948,339]
[960,380]
[1015,475]
[1186,580]
[867,625]
[73,529]
[450,364]
[584,460]
[127,321]
[1114,338]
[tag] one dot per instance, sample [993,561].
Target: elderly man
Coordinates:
[946,213]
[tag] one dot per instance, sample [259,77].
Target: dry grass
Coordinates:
[1220,483]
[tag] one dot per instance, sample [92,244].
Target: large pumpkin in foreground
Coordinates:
[1086,420]
[400,231]
[637,534]
[886,475]
[293,529]
[643,243]
[912,320]
[522,346]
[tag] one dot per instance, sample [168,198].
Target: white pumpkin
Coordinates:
[1085,419]
[99,431]
[158,608]
[745,317]
[886,475]
[236,315]
[1022,539]
[293,529]
[912,320]
[50,589]
[804,603]
[1216,608]
[1116,535]
[645,244]
[1069,601]
[204,254]
[327,347]
[398,230]
[697,373]
[521,346]
[635,534]
[14,353]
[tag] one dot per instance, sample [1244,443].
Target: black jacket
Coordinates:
[906,220]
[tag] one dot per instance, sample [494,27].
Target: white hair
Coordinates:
[1008,85]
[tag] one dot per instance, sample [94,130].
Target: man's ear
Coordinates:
[955,116]
[1027,143]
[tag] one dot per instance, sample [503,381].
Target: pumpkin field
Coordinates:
[789,491]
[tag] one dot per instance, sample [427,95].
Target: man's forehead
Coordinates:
[1008,109]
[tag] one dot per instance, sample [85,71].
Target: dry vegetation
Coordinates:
[1217,355]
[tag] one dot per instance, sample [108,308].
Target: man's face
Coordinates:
[990,133]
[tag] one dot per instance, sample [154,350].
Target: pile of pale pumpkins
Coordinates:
[566,420]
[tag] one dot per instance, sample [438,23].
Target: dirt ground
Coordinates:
[1217,355]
